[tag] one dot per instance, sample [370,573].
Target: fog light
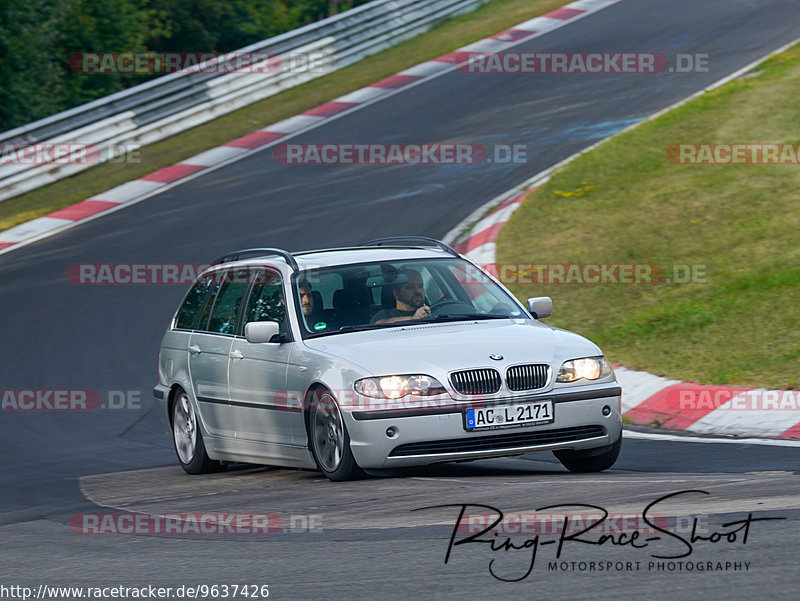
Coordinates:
[391,432]
[606,411]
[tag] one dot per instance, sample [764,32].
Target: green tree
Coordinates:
[31,81]
[38,37]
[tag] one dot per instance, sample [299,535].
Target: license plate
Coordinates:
[532,413]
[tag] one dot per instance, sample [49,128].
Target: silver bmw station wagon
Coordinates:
[394,353]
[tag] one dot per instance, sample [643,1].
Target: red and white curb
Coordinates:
[135,191]
[647,399]
[703,409]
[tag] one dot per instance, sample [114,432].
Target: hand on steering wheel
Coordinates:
[424,312]
[440,306]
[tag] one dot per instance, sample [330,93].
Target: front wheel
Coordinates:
[330,443]
[590,460]
[188,439]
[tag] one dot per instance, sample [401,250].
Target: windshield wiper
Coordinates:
[466,316]
[364,326]
[348,328]
[417,322]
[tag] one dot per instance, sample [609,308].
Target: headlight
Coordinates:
[396,387]
[590,368]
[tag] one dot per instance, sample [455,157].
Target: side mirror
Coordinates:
[261,331]
[540,306]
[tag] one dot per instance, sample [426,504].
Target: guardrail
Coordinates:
[157,109]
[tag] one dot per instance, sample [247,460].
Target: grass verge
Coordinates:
[624,202]
[446,37]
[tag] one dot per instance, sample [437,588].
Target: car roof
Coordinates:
[331,257]
[349,256]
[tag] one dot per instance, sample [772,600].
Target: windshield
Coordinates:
[347,298]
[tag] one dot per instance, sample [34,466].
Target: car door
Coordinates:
[258,371]
[209,353]
[174,353]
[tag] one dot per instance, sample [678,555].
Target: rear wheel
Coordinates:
[329,440]
[188,439]
[590,460]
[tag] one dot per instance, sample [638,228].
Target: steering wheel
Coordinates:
[450,305]
[502,308]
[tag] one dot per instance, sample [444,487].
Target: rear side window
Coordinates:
[228,302]
[189,312]
[213,288]
[266,299]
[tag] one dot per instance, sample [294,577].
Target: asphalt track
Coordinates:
[58,335]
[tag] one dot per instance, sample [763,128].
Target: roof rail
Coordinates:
[258,252]
[412,241]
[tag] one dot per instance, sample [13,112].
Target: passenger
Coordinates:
[409,301]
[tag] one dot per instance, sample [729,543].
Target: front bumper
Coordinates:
[434,436]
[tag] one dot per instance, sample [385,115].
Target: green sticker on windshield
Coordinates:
[320,325]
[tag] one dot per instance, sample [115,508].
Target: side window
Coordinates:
[229,300]
[266,301]
[189,312]
[432,290]
[213,288]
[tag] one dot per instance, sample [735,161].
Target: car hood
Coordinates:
[443,347]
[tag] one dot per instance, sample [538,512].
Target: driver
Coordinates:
[311,313]
[409,301]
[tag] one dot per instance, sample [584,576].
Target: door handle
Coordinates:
[236,355]
[194,349]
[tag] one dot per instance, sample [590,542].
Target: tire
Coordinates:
[590,460]
[328,439]
[188,439]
